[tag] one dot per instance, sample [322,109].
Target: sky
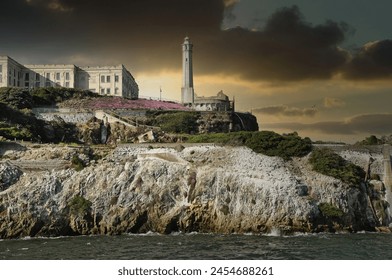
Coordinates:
[321,68]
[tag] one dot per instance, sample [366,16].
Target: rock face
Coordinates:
[199,188]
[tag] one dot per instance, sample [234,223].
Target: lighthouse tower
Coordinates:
[187,92]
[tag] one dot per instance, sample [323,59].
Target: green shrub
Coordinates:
[17,98]
[273,144]
[264,142]
[77,163]
[326,162]
[79,205]
[371,140]
[330,211]
[177,122]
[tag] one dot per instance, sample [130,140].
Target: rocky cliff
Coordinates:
[197,188]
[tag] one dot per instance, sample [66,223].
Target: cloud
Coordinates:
[54,5]
[331,102]
[146,35]
[286,111]
[288,49]
[372,61]
[380,124]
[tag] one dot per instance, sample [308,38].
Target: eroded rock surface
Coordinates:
[199,188]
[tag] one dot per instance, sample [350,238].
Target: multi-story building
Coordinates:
[106,80]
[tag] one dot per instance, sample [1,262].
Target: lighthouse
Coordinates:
[187,91]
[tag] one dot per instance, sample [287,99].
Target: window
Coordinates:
[27,76]
[47,84]
[67,76]
[1,68]
[108,79]
[102,91]
[37,77]
[57,76]
[116,78]
[67,84]
[48,76]
[116,91]
[14,73]
[102,79]
[37,84]
[108,91]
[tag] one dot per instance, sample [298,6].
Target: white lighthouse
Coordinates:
[187,91]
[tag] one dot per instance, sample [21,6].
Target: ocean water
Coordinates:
[367,246]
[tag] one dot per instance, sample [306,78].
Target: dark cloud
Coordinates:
[374,60]
[287,49]
[146,35]
[371,124]
[286,111]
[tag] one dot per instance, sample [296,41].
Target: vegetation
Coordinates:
[51,96]
[373,140]
[330,211]
[21,98]
[18,122]
[79,205]
[77,163]
[16,98]
[177,122]
[265,142]
[326,162]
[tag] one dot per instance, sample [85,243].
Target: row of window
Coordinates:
[108,91]
[38,76]
[106,79]
[56,75]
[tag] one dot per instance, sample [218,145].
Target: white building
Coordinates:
[106,80]
[187,91]
[220,102]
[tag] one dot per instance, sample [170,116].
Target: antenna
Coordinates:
[160,93]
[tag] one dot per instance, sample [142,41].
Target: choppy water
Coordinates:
[202,246]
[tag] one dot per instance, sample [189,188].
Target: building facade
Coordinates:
[106,80]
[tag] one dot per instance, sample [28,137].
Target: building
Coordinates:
[187,91]
[220,102]
[106,80]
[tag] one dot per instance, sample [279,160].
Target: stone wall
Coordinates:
[68,115]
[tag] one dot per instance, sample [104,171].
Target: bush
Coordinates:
[177,122]
[273,144]
[371,140]
[51,96]
[326,162]
[79,205]
[330,211]
[264,142]
[77,163]
[17,98]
